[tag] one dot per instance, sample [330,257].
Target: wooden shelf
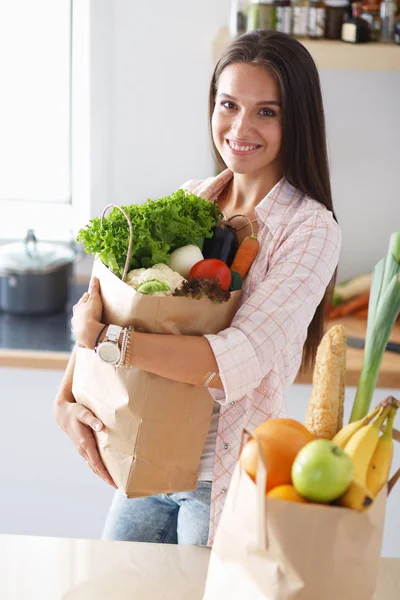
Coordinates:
[336,54]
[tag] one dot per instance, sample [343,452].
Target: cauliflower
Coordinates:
[164,280]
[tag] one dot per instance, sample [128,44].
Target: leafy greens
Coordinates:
[159,227]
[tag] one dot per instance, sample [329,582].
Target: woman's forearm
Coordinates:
[184,358]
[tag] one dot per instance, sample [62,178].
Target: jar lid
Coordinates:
[32,256]
[371,7]
[337,3]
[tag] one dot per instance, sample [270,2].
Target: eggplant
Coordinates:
[223,244]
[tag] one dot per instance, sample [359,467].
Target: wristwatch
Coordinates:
[109,350]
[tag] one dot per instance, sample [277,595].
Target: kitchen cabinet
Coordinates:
[46,487]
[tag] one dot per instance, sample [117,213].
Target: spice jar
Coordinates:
[261,15]
[337,11]
[371,13]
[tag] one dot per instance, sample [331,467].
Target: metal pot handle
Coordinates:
[30,239]
[129,254]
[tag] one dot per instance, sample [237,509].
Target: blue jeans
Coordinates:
[178,518]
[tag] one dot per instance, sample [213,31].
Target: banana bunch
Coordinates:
[370,452]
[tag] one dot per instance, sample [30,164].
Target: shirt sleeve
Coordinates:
[280,309]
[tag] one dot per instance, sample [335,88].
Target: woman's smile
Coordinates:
[242,148]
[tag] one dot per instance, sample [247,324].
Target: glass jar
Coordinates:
[316,19]
[337,11]
[261,15]
[371,13]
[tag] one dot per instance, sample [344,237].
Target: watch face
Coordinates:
[109,352]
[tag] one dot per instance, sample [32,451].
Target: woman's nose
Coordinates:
[241,124]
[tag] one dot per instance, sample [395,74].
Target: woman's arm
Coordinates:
[184,358]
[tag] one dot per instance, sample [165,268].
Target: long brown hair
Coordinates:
[303,153]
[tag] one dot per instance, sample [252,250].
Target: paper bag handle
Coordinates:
[129,254]
[261,484]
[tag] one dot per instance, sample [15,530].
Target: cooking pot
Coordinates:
[35,276]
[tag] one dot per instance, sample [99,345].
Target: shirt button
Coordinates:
[223,491]
[226,446]
[232,403]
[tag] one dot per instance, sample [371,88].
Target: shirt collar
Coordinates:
[275,204]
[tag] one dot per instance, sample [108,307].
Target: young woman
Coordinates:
[268,133]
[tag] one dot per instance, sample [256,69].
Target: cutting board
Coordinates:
[389,373]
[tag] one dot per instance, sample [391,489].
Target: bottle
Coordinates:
[317,17]
[283,13]
[397,32]
[300,17]
[356,29]
[261,15]
[337,12]
[388,17]
[371,13]
[238,18]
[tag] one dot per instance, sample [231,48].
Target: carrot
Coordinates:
[351,306]
[361,314]
[245,255]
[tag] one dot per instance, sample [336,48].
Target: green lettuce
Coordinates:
[159,227]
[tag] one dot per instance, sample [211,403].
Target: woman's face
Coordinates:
[247,119]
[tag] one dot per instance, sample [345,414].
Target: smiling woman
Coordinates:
[268,133]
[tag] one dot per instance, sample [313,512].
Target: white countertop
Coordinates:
[42,568]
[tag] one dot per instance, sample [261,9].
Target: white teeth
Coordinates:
[240,148]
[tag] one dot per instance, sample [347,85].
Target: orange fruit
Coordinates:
[272,423]
[280,442]
[286,492]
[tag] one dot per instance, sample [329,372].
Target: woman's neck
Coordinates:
[246,191]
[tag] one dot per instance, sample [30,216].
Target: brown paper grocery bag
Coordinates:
[155,428]
[276,550]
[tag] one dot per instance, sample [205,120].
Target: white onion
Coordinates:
[182,259]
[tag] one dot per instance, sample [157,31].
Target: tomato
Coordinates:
[212,267]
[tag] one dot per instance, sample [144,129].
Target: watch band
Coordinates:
[113,332]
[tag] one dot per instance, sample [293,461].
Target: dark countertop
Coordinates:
[44,333]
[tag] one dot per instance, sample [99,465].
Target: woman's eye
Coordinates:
[267,112]
[227,104]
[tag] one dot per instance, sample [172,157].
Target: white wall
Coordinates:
[151,64]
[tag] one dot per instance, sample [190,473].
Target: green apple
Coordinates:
[322,471]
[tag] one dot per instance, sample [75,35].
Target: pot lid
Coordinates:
[33,256]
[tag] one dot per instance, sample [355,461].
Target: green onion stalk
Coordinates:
[383,310]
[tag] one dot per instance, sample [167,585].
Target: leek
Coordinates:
[383,309]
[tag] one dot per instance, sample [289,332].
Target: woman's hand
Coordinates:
[78,423]
[86,322]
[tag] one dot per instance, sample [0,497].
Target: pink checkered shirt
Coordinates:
[259,355]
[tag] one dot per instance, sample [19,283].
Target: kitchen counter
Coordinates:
[46,343]
[40,568]
[389,372]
